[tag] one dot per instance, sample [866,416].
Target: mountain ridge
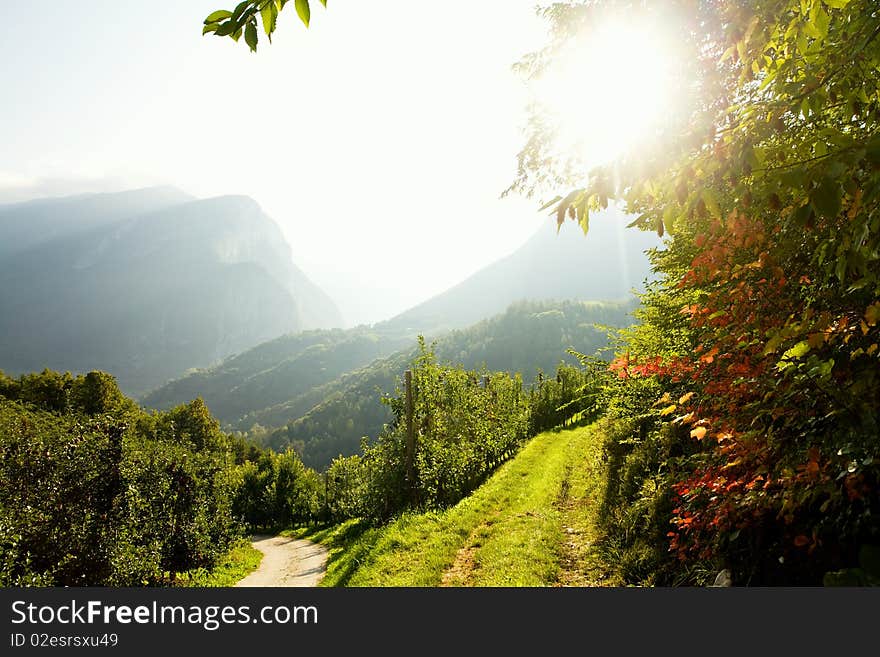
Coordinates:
[147,295]
[607,264]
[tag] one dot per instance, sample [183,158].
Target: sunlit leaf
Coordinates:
[303,11]
[218,16]
[711,200]
[269,14]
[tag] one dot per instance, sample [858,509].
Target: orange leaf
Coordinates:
[685,398]
[681,419]
[709,356]
[801,541]
[698,433]
[665,399]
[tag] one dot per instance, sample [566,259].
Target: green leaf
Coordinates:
[836,4]
[799,350]
[711,202]
[218,16]
[802,215]
[303,11]
[826,198]
[227,28]
[872,150]
[583,215]
[269,13]
[211,27]
[324,2]
[817,27]
[840,269]
[239,10]
[250,36]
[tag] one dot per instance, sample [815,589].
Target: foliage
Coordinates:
[277,490]
[243,19]
[746,407]
[465,423]
[94,491]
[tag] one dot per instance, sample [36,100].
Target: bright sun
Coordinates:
[607,94]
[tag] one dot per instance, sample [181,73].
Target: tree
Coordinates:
[770,188]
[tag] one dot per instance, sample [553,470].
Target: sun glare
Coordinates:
[607,93]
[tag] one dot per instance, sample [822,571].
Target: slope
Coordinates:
[275,373]
[150,296]
[606,265]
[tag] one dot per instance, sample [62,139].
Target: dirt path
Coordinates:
[287,562]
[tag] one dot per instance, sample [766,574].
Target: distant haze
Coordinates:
[380,141]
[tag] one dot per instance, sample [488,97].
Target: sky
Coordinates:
[380,139]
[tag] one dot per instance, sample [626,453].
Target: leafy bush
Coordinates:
[94,491]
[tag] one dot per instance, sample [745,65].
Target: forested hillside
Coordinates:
[276,372]
[528,338]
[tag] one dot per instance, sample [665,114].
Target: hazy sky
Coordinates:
[380,139]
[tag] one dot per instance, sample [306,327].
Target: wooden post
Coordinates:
[327,517]
[410,436]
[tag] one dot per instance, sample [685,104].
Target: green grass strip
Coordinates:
[508,533]
[236,564]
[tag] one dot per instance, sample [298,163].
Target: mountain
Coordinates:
[23,225]
[322,388]
[146,284]
[605,265]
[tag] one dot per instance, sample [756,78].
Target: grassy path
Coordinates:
[530,524]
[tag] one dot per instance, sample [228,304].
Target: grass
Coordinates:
[584,560]
[241,560]
[530,524]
